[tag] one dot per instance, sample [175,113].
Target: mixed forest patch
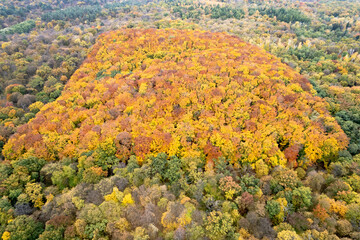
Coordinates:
[193,134]
[179,134]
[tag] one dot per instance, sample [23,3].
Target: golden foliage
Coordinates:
[127,200]
[6,235]
[181,92]
[288,235]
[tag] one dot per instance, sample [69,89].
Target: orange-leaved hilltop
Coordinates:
[185,93]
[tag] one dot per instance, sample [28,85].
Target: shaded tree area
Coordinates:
[87,13]
[185,10]
[226,12]
[282,14]
[23,27]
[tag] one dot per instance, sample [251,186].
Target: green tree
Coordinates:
[32,164]
[158,164]
[132,164]
[273,208]
[65,177]
[173,173]
[24,228]
[301,197]
[353,213]
[52,233]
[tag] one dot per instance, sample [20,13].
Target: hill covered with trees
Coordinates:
[188,93]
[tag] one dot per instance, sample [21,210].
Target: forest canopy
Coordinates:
[183,133]
[185,93]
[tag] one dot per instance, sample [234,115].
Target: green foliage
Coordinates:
[15,88]
[273,208]
[353,213]
[95,230]
[349,122]
[169,170]
[5,204]
[211,187]
[132,164]
[354,181]
[173,172]
[5,171]
[88,13]
[91,213]
[11,10]
[66,177]
[250,184]
[52,233]
[105,155]
[32,164]
[23,27]
[307,54]
[301,197]
[187,12]
[284,14]
[24,228]
[283,227]
[226,12]
[36,82]
[92,175]
[138,176]
[195,232]
[100,74]
[222,166]
[275,186]
[158,164]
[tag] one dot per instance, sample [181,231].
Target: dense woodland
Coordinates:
[139,120]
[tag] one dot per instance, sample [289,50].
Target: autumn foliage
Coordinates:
[185,93]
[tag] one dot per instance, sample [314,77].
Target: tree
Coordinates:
[34,192]
[23,228]
[288,235]
[229,187]
[218,225]
[32,164]
[287,178]
[260,226]
[173,172]
[66,177]
[52,233]
[158,164]
[301,197]
[132,164]
[275,211]
[140,234]
[343,227]
[250,184]
[353,213]
[25,101]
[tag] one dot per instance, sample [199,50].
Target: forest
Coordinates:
[179,119]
